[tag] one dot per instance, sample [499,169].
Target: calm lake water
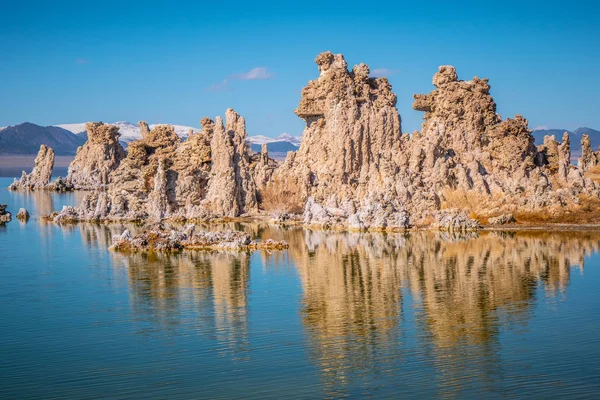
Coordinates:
[339,315]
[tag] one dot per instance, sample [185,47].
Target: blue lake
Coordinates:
[338,315]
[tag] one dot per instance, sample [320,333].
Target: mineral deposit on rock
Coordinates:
[358,170]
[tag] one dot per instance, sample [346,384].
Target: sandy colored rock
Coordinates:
[231,189]
[355,169]
[359,171]
[350,144]
[97,158]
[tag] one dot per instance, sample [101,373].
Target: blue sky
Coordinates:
[175,62]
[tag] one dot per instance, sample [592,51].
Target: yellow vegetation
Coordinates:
[282,197]
[481,207]
[593,173]
[587,211]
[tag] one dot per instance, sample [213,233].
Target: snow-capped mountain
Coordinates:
[130,132]
[284,137]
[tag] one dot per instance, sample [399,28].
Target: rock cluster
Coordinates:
[209,175]
[5,216]
[161,239]
[359,171]
[40,176]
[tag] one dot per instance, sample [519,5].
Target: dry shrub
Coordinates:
[475,203]
[593,173]
[587,211]
[282,196]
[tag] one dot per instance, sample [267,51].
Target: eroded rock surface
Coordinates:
[97,158]
[348,156]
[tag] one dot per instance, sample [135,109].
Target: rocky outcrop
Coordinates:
[23,215]
[161,239]
[41,173]
[97,158]
[5,216]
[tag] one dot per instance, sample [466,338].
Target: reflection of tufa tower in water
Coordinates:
[463,290]
[214,286]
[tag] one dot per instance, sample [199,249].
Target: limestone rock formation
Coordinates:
[5,216]
[41,173]
[97,158]
[23,215]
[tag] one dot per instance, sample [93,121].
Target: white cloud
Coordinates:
[222,86]
[380,72]
[541,128]
[255,74]
[258,73]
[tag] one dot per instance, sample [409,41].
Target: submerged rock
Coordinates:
[454,220]
[23,215]
[160,239]
[502,219]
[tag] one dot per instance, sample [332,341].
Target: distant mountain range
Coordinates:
[26,138]
[575,137]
